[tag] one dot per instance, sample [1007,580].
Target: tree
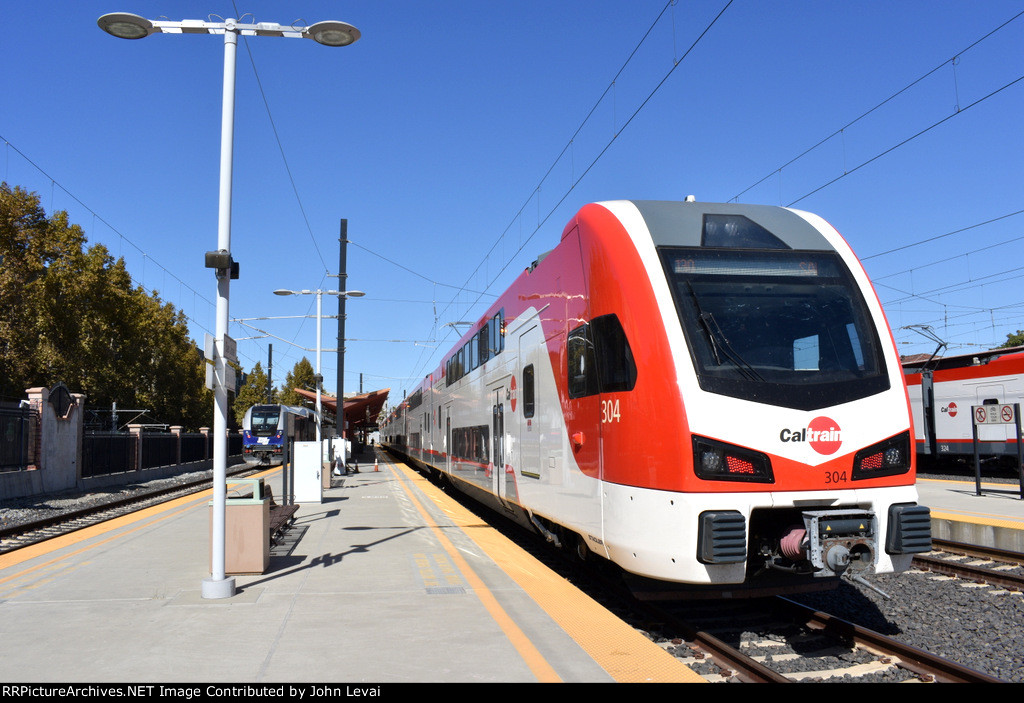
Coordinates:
[1014,340]
[302,375]
[254,391]
[72,315]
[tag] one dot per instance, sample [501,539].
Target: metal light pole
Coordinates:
[330,33]
[342,283]
[342,295]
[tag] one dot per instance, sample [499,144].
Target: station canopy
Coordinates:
[361,411]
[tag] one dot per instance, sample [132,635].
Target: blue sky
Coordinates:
[454,137]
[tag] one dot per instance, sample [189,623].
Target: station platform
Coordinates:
[992,517]
[387,580]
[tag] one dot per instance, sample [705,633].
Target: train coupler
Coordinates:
[841,541]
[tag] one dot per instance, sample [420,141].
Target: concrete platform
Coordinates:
[386,581]
[993,518]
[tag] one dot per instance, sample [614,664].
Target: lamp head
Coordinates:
[125,25]
[333,33]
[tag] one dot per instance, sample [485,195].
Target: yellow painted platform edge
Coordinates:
[625,654]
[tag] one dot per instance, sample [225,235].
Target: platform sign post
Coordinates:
[1020,451]
[997,414]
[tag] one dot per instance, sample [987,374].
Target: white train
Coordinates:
[269,431]
[942,392]
[704,394]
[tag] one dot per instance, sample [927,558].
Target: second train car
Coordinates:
[704,394]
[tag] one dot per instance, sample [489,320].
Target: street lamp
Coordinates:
[128,26]
[319,347]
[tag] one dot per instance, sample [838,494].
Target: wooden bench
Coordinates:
[281,516]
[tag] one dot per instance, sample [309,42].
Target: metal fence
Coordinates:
[106,453]
[19,427]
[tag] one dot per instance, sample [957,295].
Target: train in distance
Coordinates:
[270,431]
[942,392]
[707,395]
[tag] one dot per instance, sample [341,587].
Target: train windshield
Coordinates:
[782,327]
[263,421]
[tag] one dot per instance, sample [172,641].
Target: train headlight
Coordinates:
[718,461]
[887,458]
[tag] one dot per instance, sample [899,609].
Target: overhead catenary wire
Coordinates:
[542,218]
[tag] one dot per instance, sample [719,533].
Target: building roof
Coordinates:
[361,411]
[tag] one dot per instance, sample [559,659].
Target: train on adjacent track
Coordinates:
[943,391]
[270,431]
[707,395]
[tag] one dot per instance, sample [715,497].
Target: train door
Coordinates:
[498,441]
[447,448]
[583,410]
[928,412]
[530,430]
[583,406]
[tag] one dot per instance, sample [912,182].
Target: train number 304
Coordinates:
[835,477]
[610,411]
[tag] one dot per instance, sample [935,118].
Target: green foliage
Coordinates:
[71,314]
[253,392]
[301,376]
[1014,340]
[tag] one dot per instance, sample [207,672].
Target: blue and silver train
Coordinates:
[268,432]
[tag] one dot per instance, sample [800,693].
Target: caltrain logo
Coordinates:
[951,409]
[822,433]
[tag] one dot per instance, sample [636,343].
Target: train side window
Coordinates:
[529,402]
[616,368]
[499,332]
[582,369]
[473,353]
[484,343]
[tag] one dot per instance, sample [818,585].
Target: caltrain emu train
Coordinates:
[269,431]
[944,389]
[703,394]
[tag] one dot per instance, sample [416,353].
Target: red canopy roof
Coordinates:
[361,410]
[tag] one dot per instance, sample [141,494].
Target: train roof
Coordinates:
[696,224]
[918,362]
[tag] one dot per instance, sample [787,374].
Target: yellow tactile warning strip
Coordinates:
[626,655]
[975,517]
[978,519]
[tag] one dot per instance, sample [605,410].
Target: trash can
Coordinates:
[246,527]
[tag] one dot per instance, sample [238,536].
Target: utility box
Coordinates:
[246,527]
[306,465]
[326,464]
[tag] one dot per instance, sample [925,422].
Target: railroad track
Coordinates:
[24,534]
[779,641]
[995,567]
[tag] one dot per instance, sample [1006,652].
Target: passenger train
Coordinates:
[942,393]
[704,394]
[269,431]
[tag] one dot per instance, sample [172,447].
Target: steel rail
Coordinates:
[910,657]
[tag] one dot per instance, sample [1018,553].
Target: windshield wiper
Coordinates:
[718,340]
